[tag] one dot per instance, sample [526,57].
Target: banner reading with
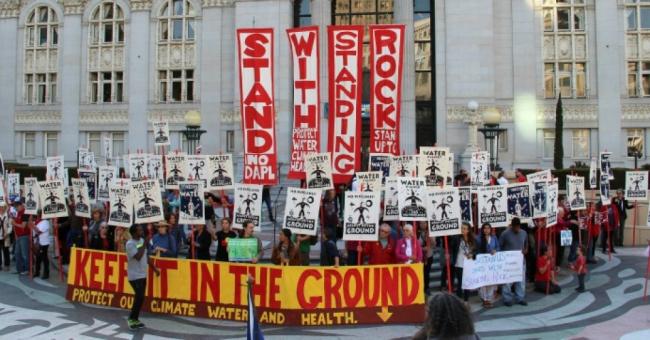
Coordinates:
[161,133]
[404,166]
[107,175]
[221,177]
[488,270]
[284,295]
[345,59]
[52,199]
[318,171]
[370,180]
[575,187]
[519,201]
[301,211]
[90,176]
[147,201]
[391,208]
[433,165]
[121,201]
[361,216]
[480,168]
[191,210]
[444,211]
[465,196]
[386,63]
[31,195]
[175,171]
[55,168]
[411,195]
[248,205]
[493,205]
[255,53]
[81,200]
[636,186]
[306,97]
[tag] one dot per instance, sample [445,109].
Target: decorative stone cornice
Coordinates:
[461,113]
[217,3]
[9,8]
[636,112]
[103,117]
[170,116]
[38,117]
[73,6]
[571,112]
[140,5]
[230,116]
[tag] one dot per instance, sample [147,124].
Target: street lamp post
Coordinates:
[491,130]
[192,130]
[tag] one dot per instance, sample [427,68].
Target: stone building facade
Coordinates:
[77,71]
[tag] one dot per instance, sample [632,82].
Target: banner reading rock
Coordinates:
[147,201]
[489,270]
[636,186]
[191,210]
[221,177]
[81,199]
[318,171]
[493,205]
[161,133]
[361,216]
[248,205]
[370,180]
[90,176]
[552,201]
[391,208]
[55,168]
[576,192]
[197,168]
[444,211]
[480,168]
[465,196]
[301,211]
[433,165]
[176,170]
[305,136]
[284,295]
[121,201]
[404,166]
[411,195]
[31,195]
[52,199]
[519,201]
[107,175]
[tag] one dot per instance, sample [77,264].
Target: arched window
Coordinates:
[175,52]
[41,56]
[106,54]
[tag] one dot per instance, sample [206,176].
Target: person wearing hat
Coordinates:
[163,242]
[6,229]
[21,231]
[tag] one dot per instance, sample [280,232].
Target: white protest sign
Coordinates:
[176,170]
[489,270]
[155,169]
[380,162]
[493,205]
[539,193]
[444,211]
[221,176]
[411,194]
[138,166]
[519,204]
[13,185]
[90,176]
[107,147]
[636,186]
[52,199]
[318,171]
[565,238]
[433,165]
[480,168]
[31,196]
[191,210]
[121,201]
[605,165]
[161,133]
[81,200]
[361,216]
[391,209]
[465,196]
[370,181]
[248,205]
[301,211]
[576,192]
[55,168]
[197,168]
[593,174]
[107,175]
[147,201]
[604,189]
[404,166]
[539,176]
[86,159]
[552,203]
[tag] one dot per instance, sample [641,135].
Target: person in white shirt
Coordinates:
[5,237]
[42,231]
[501,180]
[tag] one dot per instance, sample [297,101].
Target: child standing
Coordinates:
[581,269]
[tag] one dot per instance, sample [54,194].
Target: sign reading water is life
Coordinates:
[486,270]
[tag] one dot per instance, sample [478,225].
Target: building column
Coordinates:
[321,16]
[525,38]
[138,75]
[403,14]
[70,73]
[608,36]
[8,82]
[210,55]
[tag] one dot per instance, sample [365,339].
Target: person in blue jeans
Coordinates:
[515,239]
[21,231]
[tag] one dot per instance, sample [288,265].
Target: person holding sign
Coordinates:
[222,237]
[5,239]
[21,232]
[622,206]
[285,253]
[249,228]
[137,268]
[515,239]
[42,231]
[465,248]
[408,250]
[545,282]
[486,243]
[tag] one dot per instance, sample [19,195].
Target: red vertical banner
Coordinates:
[386,59]
[255,53]
[344,58]
[305,136]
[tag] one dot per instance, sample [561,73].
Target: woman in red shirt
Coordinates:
[544,278]
[581,269]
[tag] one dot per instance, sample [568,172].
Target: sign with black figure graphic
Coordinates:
[138,166]
[411,199]
[197,168]
[31,196]
[55,168]
[370,180]
[155,169]
[161,133]
[248,205]
[52,199]
[147,201]
[539,198]
[433,165]
[176,170]
[106,175]
[301,211]
[90,176]
[444,211]
[391,208]
[191,210]
[318,171]
[221,172]
[380,162]
[121,202]
[480,168]
[465,197]
[404,166]
[519,201]
[493,205]
[81,200]
[636,186]
[361,216]
[576,192]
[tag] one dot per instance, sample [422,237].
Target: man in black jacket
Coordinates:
[622,205]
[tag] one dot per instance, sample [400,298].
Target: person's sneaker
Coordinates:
[139,324]
[132,324]
[24,273]
[508,304]
[523,303]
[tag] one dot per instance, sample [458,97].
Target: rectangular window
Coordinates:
[108,33]
[581,80]
[230,141]
[118,143]
[549,80]
[635,142]
[503,141]
[630,15]
[564,77]
[645,18]
[580,143]
[563,19]
[94,142]
[177,29]
[29,144]
[190,30]
[51,144]
[549,143]
[42,35]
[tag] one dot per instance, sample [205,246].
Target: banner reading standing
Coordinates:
[255,53]
[306,97]
[386,60]
[345,57]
